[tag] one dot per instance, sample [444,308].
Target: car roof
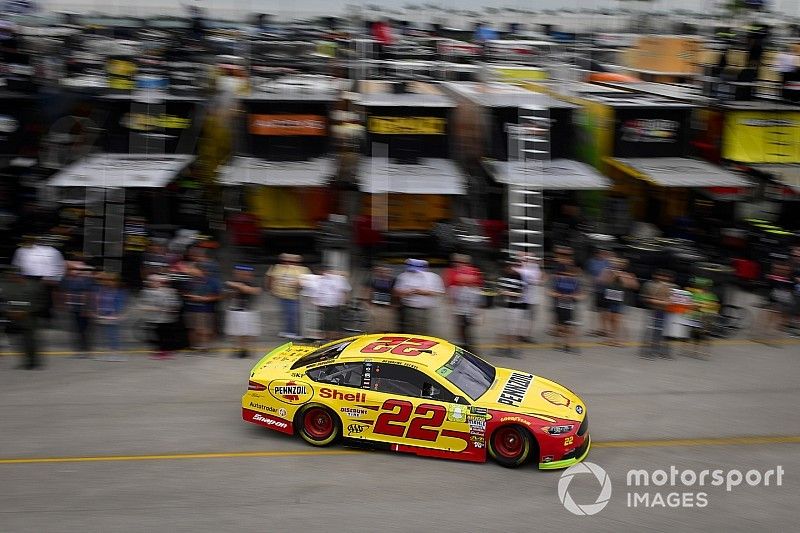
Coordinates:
[440,352]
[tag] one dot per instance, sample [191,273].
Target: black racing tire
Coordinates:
[512,446]
[318,425]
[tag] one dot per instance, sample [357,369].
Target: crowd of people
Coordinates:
[187,304]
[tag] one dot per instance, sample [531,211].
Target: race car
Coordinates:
[416,394]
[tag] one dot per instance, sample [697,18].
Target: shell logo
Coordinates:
[556,398]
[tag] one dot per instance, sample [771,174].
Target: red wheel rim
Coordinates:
[318,423]
[507,442]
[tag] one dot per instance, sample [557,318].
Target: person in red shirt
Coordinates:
[464,282]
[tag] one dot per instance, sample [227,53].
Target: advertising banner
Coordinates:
[762,137]
[648,132]
[286,125]
[407,125]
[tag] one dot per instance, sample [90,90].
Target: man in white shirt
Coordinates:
[533,277]
[331,290]
[38,259]
[419,291]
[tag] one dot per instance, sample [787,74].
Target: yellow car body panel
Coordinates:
[360,389]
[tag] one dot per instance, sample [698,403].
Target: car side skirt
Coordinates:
[268,421]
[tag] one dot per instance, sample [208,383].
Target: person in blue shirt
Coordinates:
[77,290]
[109,304]
[204,291]
[566,292]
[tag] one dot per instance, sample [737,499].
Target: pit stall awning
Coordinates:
[786,175]
[678,172]
[428,176]
[255,171]
[563,174]
[122,170]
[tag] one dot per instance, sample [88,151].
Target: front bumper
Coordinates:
[576,456]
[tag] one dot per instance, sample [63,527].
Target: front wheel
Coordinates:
[511,446]
[319,426]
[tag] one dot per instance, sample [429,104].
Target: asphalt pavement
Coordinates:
[90,445]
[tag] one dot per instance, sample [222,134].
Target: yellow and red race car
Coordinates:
[416,394]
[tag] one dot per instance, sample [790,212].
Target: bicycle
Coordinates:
[730,320]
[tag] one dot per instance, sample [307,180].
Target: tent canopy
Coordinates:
[255,171]
[122,170]
[429,176]
[565,174]
[679,172]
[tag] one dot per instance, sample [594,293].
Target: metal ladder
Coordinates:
[525,195]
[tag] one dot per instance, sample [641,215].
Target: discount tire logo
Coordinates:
[602,499]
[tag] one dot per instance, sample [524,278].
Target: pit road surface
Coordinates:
[88,445]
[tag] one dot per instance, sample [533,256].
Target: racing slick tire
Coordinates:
[511,446]
[318,425]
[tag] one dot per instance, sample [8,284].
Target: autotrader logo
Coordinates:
[591,508]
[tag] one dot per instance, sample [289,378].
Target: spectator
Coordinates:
[309,314]
[511,287]
[199,256]
[332,289]
[161,303]
[566,292]
[77,290]
[38,259]
[597,267]
[464,282]
[242,321]
[533,277]
[284,282]
[203,292]
[795,267]
[156,260]
[22,298]
[705,307]
[418,290]
[656,295]
[617,281]
[780,300]
[108,305]
[379,291]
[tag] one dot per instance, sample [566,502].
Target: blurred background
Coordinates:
[362,133]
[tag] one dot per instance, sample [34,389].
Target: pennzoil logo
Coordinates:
[515,389]
[290,391]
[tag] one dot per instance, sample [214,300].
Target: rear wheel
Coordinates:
[318,425]
[511,446]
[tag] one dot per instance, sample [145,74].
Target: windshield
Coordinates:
[327,353]
[471,374]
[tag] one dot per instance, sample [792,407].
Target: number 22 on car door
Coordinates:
[415,409]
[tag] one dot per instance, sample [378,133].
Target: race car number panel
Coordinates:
[407,346]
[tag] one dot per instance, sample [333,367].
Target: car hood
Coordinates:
[519,392]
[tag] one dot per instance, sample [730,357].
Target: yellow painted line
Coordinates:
[170,457]
[665,443]
[486,346]
[716,441]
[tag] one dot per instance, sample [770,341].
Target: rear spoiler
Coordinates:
[274,351]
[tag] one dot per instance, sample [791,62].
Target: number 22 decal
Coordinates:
[421,427]
[407,346]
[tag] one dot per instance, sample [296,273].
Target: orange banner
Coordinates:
[287,125]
